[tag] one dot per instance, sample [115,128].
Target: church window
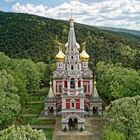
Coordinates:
[79,83]
[72,104]
[78,67]
[85,88]
[72,67]
[60,88]
[65,84]
[72,83]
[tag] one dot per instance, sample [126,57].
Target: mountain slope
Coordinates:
[29,36]
[133,33]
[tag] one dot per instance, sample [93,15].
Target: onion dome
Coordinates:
[66,45]
[78,46]
[60,56]
[83,55]
[71,18]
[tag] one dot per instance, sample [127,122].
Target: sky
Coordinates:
[108,13]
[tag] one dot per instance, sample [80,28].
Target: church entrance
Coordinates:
[50,110]
[73,124]
[95,110]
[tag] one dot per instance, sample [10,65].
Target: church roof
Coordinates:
[95,95]
[71,37]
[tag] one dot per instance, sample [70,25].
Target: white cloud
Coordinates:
[113,13]
[30,8]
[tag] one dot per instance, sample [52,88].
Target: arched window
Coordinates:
[65,84]
[72,103]
[79,83]
[72,83]
[72,67]
[66,67]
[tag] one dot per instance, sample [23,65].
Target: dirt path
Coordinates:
[93,131]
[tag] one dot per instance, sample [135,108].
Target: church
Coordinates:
[73,94]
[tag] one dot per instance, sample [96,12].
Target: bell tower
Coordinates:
[72,95]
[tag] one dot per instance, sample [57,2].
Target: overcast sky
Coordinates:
[111,13]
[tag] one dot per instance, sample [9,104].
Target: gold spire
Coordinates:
[60,56]
[50,83]
[83,55]
[50,93]
[94,83]
[71,17]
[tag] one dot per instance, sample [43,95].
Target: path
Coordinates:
[93,131]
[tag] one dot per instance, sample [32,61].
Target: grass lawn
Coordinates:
[32,120]
[33,109]
[49,133]
[37,97]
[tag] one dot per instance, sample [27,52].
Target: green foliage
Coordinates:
[109,134]
[9,100]
[115,81]
[17,79]
[33,120]
[31,74]
[49,133]
[123,118]
[22,133]
[34,38]
[33,109]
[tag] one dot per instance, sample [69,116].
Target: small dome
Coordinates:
[71,18]
[84,56]
[50,83]
[78,46]
[66,45]
[60,56]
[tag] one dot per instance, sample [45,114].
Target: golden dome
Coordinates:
[71,18]
[60,56]
[50,83]
[83,55]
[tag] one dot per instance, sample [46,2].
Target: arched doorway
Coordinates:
[50,110]
[95,110]
[73,124]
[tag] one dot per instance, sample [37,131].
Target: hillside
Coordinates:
[29,36]
[133,33]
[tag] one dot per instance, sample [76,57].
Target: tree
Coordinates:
[31,74]
[109,134]
[123,118]
[9,100]
[115,81]
[22,133]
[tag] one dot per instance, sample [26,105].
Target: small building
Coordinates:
[73,93]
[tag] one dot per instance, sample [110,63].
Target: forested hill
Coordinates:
[134,33]
[29,36]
